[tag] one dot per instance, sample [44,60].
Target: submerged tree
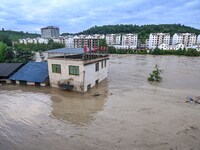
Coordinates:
[156,74]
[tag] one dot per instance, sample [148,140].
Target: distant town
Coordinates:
[126,41]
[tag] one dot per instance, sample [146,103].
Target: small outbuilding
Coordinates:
[33,73]
[7,70]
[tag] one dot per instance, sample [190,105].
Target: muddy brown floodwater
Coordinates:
[130,112]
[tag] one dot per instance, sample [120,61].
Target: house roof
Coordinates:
[67,51]
[32,72]
[7,69]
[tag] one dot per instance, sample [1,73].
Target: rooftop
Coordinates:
[8,69]
[67,51]
[32,72]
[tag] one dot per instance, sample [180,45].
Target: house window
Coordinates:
[97,67]
[74,70]
[102,64]
[56,68]
[105,63]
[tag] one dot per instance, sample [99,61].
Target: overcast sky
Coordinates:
[78,15]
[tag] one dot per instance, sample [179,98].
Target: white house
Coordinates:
[156,39]
[171,47]
[77,72]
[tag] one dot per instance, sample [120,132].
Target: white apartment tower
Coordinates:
[155,39]
[113,39]
[188,39]
[130,40]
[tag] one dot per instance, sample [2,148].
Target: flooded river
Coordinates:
[130,112]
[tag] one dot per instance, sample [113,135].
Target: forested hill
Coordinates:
[143,30]
[15,35]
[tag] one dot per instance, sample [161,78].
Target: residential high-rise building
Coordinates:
[50,32]
[86,40]
[155,39]
[188,39]
[130,40]
[113,39]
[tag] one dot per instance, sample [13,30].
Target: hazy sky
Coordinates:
[78,15]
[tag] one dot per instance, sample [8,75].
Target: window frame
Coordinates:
[73,70]
[56,68]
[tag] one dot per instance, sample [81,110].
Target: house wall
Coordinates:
[76,80]
[91,75]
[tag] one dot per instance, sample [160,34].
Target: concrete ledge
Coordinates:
[8,82]
[31,83]
[43,84]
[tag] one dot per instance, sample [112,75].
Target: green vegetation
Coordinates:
[143,31]
[155,75]
[66,34]
[3,48]
[15,35]
[102,42]
[22,52]
[156,51]
[188,52]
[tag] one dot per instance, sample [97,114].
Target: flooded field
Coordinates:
[130,112]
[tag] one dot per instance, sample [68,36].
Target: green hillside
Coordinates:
[15,35]
[143,31]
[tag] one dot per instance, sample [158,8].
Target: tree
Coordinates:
[157,51]
[191,52]
[6,40]
[111,50]
[3,48]
[9,55]
[102,42]
[155,75]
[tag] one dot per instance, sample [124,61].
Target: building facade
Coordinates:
[77,72]
[113,39]
[188,39]
[198,39]
[50,32]
[130,40]
[155,39]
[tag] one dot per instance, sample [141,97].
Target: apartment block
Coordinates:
[50,32]
[188,39]
[87,40]
[113,39]
[155,39]
[130,40]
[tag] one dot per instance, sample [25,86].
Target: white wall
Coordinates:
[64,75]
[91,75]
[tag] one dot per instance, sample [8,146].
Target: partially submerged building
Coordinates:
[77,69]
[33,73]
[7,70]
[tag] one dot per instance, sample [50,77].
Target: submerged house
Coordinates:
[77,69]
[33,73]
[7,70]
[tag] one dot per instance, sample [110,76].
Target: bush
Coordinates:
[191,52]
[157,51]
[155,75]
